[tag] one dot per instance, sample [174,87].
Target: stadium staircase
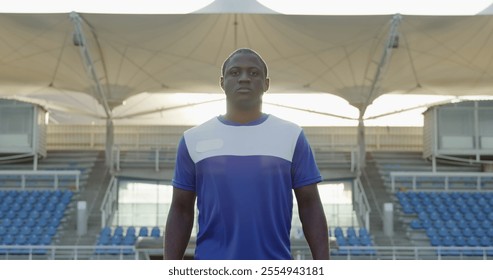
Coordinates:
[92,194]
[377,195]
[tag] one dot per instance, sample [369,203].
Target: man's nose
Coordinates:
[244,76]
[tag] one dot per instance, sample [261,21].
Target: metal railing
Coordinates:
[362,207]
[51,252]
[441,180]
[299,252]
[22,179]
[109,204]
[147,156]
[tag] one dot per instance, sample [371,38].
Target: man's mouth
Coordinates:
[243,90]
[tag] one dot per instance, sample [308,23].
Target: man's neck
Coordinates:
[243,116]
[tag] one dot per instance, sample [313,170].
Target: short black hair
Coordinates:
[244,50]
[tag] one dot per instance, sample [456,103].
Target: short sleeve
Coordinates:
[184,175]
[304,170]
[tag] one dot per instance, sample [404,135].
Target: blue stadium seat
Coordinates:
[341,240]
[26,230]
[33,239]
[486,224]
[365,241]
[143,231]
[443,232]
[435,240]
[118,231]
[416,224]
[455,232]
[106,231]
[104,239]
[8,239]
[20,240]
[129,240]
[459,241]
[13,230]
[37,230]
[467,232]
[51,231]
[130,231]
[438,223]
[485,241]
[155,232]
[447,241]
[350,232]
[338,232]
[431,231]
[116,240]
[353,241]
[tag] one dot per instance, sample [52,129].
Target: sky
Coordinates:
[412,109]
[355,7]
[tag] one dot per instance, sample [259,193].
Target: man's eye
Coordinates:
[234,73]
[254,73]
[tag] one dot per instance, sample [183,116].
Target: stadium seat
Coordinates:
[341,240]
[443,232]
[416,224]
[338,232]
[106,231]
[33,239]
[130,231]
[118,231]
[459,241]
[129,240]
[155,232]
[353,241]
[485,241]
[143,231]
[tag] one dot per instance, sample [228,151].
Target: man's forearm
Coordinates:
[177,235]
[316,232]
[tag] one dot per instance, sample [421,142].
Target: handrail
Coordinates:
[362,205]
[80,252]
[74,252]
[109,203]
[479,178]
[27,174]
[144,155]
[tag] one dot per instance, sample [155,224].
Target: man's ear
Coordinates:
[266,84]
[221,82]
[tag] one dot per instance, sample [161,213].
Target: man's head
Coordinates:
[244,51]
[244,80]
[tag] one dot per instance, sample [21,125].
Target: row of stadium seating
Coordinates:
[352,242]
[31,217]
[118,237]
[452,219]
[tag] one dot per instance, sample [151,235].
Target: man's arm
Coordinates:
[179,224]
[313,220]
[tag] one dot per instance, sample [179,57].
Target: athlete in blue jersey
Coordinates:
[242,168]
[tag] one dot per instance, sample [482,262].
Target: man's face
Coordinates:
[244,81]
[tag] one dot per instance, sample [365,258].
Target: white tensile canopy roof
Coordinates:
[91,64]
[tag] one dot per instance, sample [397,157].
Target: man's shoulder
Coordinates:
[279,121]
[213,122]
[282,127]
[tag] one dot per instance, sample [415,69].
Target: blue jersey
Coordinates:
[243,176]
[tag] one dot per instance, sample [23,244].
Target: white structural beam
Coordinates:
[81,42]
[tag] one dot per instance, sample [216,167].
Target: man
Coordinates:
[242,167]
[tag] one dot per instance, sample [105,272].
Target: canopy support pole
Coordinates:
[81,42]
[391,43]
